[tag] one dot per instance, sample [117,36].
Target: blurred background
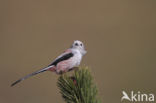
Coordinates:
[120,37]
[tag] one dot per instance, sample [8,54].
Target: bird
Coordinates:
[65,62]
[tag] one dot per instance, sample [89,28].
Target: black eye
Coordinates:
[76,44]
[81,44]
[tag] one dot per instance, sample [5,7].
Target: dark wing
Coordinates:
[62,58]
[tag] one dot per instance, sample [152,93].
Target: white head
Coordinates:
[79,45]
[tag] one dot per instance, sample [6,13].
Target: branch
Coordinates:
[78,88]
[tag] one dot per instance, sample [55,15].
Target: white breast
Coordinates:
[76,59]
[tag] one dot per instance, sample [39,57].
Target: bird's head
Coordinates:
[80,46]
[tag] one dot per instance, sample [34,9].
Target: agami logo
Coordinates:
[138,96]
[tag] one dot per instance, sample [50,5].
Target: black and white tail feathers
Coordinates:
[32,74]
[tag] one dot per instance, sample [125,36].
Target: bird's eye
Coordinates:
[76,44]
[81,44]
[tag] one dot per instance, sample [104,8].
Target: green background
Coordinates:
[120,37]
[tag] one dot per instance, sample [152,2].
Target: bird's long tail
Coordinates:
[32,74]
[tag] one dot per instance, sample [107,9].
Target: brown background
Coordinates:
[120,37]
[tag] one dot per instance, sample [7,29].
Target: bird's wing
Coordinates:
[32,74]
[62,57]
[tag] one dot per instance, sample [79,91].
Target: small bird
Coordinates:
[65,62]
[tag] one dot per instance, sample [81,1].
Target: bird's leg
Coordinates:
[74,68]
[59,72]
